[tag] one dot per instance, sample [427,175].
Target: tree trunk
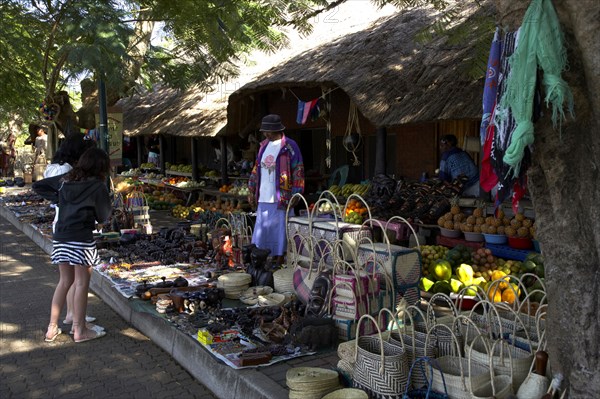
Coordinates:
[564,182]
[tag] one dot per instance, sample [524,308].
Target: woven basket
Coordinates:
[414,344]
[443,340]
[521,359]
[347,393]
[402,264]
[498,386]
[534,386]
[426,391]
[453,369]
[380,368]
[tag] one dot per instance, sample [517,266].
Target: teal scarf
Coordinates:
[540,44]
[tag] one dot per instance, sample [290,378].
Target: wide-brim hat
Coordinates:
[271,123]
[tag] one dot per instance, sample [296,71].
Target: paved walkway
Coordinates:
[124,364]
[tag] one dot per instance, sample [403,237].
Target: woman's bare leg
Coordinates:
[58,299]
[80,299]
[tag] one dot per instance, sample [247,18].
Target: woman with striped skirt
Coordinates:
[83,198]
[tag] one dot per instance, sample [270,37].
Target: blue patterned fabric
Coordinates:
[455,162]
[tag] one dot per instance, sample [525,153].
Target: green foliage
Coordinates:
[51,42]
[20,73]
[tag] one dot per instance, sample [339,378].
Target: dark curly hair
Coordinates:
[450,139]
[71,149]
[94,162]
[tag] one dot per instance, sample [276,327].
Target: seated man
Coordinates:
[456,162]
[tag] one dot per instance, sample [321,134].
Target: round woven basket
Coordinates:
[311,379]
[347,393]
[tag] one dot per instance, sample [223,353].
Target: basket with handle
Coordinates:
[402,264]
[347,324]
[407,223]
[521,359]
[414,343]
[360,281]
[535,384]
[380,368]
[137,205]
[297,227]
[455,369]
[333,229]
[424,391]
[306,269]
[444,341]
[351,308]
[498,386]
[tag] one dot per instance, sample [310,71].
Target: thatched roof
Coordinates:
[174,112]
[392,79]
[195,113]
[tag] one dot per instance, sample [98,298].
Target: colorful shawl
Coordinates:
[289,165]
[541,44]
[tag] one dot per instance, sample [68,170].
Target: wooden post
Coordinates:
[380,150]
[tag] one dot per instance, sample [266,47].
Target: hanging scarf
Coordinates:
[490,89]
[500,134]
[541,44]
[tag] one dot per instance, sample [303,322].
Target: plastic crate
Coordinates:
[506,252]
[452,242]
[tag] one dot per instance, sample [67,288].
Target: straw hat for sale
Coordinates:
[252,294]
[234,284]
[273,299]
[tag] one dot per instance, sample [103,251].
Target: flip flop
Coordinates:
[90,326]
[88,319]
[52,338]
[97,334]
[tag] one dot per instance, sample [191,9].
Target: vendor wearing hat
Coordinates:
[277,175]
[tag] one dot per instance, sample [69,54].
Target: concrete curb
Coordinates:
[221,379]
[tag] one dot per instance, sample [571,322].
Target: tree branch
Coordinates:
[317,12]
[49,88]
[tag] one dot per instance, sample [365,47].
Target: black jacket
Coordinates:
[81,203]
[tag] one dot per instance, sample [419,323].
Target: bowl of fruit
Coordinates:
[495,238]
[475,237]
[450,233]
[520,242]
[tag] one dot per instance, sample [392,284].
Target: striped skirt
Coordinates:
[75,253]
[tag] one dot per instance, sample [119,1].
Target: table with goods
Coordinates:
[350,281]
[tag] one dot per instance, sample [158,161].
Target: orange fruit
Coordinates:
[508,295]
[495,295]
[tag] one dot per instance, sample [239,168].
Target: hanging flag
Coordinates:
[490,89]
[305,109]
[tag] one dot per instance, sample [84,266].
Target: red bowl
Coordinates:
[520,243]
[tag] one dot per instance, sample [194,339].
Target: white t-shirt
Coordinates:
[269,177]
[55,169]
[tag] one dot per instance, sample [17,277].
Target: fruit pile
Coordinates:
[502,288]
[473,222]
[355,212]
[161,200]
[520,226]
[452,220]
[178,168]
[431,253]
[174,180]
[452,271]
[347,189]
[225,188]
